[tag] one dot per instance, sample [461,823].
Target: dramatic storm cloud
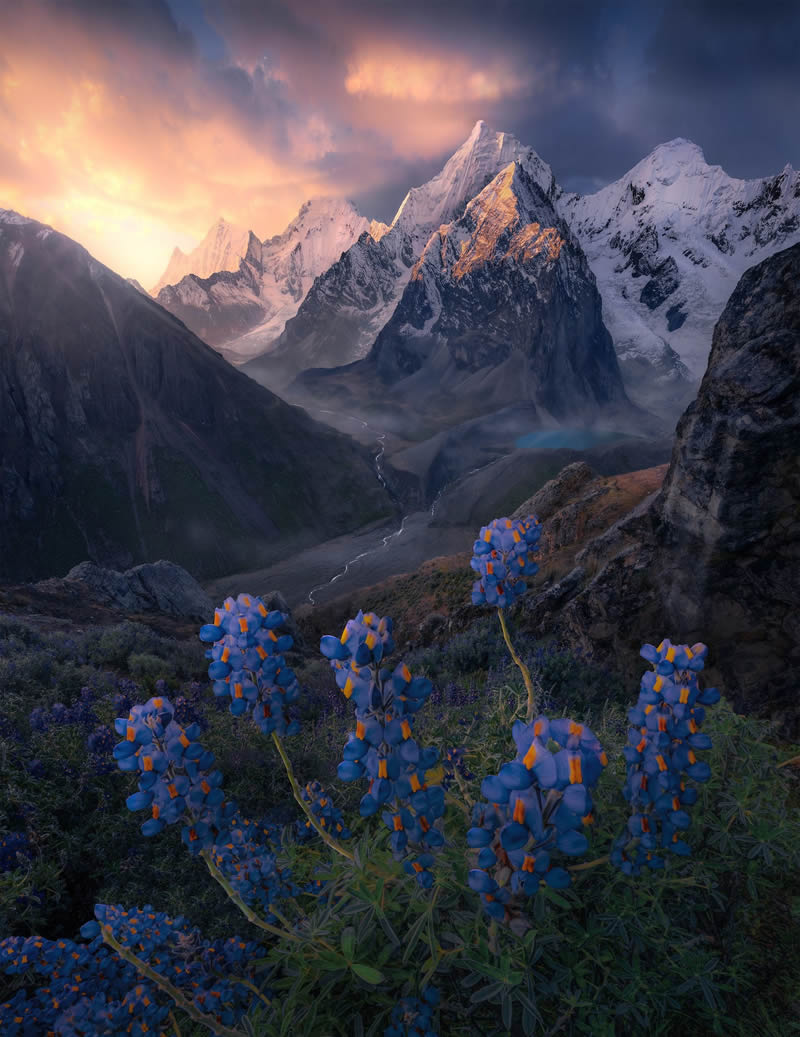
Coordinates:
[133,125]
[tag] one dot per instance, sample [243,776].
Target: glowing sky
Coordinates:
[131,125]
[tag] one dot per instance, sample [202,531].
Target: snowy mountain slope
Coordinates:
[346,308]
[500,311]
[220,249]
[252,304]
[668,243]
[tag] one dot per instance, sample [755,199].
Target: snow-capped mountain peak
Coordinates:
[221,249]
[247,309]
[464,175]
[668,242]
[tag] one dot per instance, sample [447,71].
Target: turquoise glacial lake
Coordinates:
[572,438]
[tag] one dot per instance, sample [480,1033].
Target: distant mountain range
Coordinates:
[667,242]
[127,439]
[241,312]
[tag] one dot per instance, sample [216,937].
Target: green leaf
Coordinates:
[348,942]
[367,973]
[551,895]
[413,937]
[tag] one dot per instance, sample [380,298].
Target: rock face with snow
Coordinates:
[245,310]
[667,243]
[715,555]
[351,302]
[221,249]
[126,439]
[500,310]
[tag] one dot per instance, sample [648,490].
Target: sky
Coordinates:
[132,125]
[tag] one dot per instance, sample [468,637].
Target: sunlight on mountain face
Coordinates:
[498,214]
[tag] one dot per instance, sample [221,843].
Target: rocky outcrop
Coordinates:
[557,492]
[156,586]
[715,555]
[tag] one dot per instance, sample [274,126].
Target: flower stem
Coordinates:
[587,864]
[248,912]
[306,807]
[164,984]
[526,675]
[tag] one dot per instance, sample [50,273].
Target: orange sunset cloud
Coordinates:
[133,142]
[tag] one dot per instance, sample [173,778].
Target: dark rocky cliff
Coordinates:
[714,556]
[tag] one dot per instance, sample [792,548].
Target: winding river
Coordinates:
[381,439]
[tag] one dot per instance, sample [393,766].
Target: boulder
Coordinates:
[154,587]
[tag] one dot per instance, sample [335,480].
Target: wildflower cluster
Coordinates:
[177,781]
[88,990]
[100,744]
[15,850]
[247,665]
[400,772]
[413,1016]
[662,742]
[329,816]
[538,803]
[208,972]
[247,860]
[59,715]
[503,555]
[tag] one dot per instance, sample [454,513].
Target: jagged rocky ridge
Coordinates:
[500,310]
[714,556]
[127,439]
[221,249]
[242,311]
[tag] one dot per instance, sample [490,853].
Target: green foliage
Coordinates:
[713,939]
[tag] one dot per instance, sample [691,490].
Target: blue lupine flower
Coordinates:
[177,780]
[503,555]
[246,664]
[413,1016]
[538,803]
[329,817]
[88,989]
[661,747]
[404,783]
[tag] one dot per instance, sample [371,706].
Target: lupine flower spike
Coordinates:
[247,664]
[538,804]
[662,746]
[401,774]
[503,555]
